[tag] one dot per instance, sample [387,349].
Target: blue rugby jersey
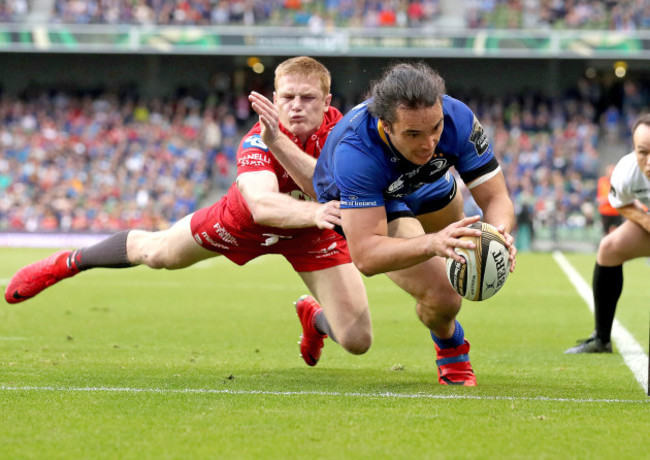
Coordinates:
[359,167]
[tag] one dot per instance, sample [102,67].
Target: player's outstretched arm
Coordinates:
[373,251]
[270,207]
[494,200]
[298,164]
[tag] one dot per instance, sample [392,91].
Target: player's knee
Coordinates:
[152,251]
[606,245]
[437,308]
[152,260]
[439,301]
[356,343]
[610,251]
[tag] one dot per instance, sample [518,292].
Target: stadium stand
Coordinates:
[97,163]
[89,162]
[85,161]
[477,14]
[14,10]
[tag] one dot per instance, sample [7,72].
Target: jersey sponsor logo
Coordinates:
[395,186]
[224,235]
[329,248]
[254,141]
[357,204]
[272,238]
[419,176]
[479,138]
[254,152]
[437,165]
[325,252]
[204,236]
[254,159]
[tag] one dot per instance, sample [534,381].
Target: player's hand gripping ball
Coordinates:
[486,267]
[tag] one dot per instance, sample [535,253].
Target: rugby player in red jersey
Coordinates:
[264,212]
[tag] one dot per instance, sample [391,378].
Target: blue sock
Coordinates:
[454,341]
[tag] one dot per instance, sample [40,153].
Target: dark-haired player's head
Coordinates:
[411,86]
[408,102]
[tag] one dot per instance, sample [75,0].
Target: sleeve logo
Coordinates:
[254,141]
[478,138]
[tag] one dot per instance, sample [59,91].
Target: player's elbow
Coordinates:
[365,260]
[367,255]
[260,215]
[367,267]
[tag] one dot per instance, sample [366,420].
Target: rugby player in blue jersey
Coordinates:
[388,163]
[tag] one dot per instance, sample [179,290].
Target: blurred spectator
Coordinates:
[13,10]
[610,218]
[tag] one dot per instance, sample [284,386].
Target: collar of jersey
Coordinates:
[386,140]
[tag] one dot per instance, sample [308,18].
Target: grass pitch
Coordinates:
[203,363]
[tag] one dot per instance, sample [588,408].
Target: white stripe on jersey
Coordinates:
[483,178]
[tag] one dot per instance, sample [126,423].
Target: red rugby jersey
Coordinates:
[253,155]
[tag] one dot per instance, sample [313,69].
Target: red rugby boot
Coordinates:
[32,279]
[454,367]
[311,341]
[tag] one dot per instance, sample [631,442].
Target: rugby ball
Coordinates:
[486,267]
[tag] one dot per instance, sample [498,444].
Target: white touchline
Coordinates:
[632,353]
[215,391]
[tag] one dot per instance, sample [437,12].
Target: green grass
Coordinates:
[213,350]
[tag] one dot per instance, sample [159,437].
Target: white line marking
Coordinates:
[629,348]
[317,393]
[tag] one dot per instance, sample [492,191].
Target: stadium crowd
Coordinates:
[321,15]
[103,163]
[569,14]
[13,10]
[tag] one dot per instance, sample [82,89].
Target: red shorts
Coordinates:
[222,229]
